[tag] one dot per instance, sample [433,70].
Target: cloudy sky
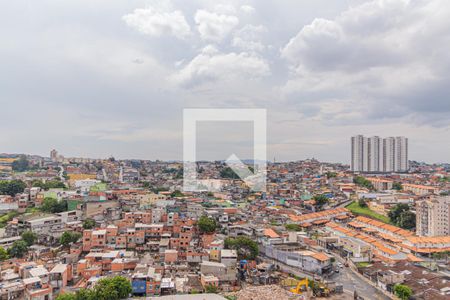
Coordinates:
[95,78]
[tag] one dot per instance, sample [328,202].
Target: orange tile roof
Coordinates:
[321,256]
[325,214]
[413,258]
[271,233]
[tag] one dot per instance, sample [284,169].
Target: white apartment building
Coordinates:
[433,216]
[375,154]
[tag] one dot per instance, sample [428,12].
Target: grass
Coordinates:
[4,219]
[365,211]
[362,264]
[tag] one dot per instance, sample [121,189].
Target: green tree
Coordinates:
[292,227]
[402,291]
[12,187]
[407,220]
[117,287]
[52,205]
[397,186]
[246,248]
[69,237]
[85,294]
[18,249]
[122,285]
[362,202]
[3,254]
[211,289]
[331,174]
[20,165]
[29,237]
[362,181]
[67,296]
[321,200]
[176,193]
[399,216]
[50,184]
[207,225]
[88,223]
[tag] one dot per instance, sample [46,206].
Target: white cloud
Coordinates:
[214,26]
[225,9]
[249,38]
[212,65]
[156,22]
[247,9]
[382,59]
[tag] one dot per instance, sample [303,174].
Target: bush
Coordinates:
[69,237]
[114,288]
[402,291]
[206,225]
[88,223]
[12,187]
[361,181]
[246,248]
[362,202]
[52,205]
[29,237]
[18,249]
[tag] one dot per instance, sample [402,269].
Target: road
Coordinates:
[349,280]
[353,282]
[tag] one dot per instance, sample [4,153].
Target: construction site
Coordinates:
[266,281]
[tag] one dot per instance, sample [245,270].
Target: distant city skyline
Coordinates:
[376,154]
[92,82]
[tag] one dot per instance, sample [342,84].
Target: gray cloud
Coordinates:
[98,79]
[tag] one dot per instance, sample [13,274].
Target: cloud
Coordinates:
[212,65]
[247,9]
[213,26]
[156,22]
[249,38]
[382,59]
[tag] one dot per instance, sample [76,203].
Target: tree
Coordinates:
[397,186]
[67,296]
[88,223]
[29,237]
[401,216]
[331,174]
[12,187]
[407,220]
[362,202]
[69,237]
[50,184]
[85,294]
[122,285]
[117,287]
[3,254]
[207,225]
[114,288]
[292,227]
[18,249]
[52,205]
[321,200]
[20,165]
[210,288]
[402,291]
[246,248]
[361,181]
[176,193]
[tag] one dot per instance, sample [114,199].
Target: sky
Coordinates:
[94,78]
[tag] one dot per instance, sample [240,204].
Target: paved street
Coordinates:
[346,277]
[352,282]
